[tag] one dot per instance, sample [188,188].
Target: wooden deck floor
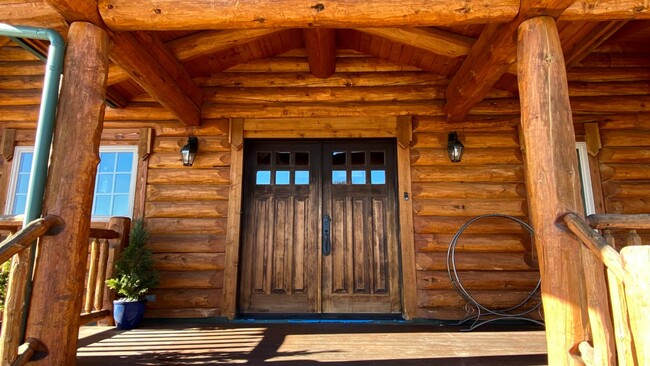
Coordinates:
[309,344]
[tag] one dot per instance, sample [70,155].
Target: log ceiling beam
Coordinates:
[321,51]
[606,10]
[200,44]
[33,14]
[4,41]
[204,43]
[159,74]
[430,39]
[144,57]
[203,14]
[490,58]
[599,34]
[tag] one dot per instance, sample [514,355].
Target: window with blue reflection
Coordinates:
[282,177]
[22,182]
[358,176]
[377,177]
[102,206]
[302,177]
[114,182]
[263,177]
[26,162]
[339,177]
[124,162]
[107,162]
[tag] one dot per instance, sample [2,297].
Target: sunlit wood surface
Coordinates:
[310,344]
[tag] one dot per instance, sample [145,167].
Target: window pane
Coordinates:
[122,183]
[358,177]
[282,158]
[263,177]
[120,205]
[302,158]
[338,158]
[104,183]
[124,161]
[302,176]
[377,177]
[19,204]
[264,158]
[22,183]
[339,177]
[377,158]
[358,157]
[25,162]
[282,177]
[102,205]
[107,162]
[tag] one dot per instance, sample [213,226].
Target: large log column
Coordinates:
[59,280]
[552,182]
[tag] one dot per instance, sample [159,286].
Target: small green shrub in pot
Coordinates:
[134,272]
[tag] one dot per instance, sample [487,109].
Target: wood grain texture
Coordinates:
[131,15]
[321,51]
[54,314]
[546,121]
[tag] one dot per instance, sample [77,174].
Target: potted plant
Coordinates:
[134,276]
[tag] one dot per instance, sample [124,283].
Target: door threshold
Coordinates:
[320,318]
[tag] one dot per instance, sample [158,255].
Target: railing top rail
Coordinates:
[616,221]
[597,244]
[103,234]
[11,223]
[27,235]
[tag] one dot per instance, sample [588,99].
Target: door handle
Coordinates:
[327,245]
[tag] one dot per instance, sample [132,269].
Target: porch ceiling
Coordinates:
[473,58]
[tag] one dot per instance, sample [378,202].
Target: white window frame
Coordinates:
[19,150]
[13,180]
[585,178]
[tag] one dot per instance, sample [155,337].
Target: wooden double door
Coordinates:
[320,228]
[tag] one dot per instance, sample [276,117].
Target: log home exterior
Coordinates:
[319,75]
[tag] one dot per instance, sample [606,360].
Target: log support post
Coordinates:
[553,186]
[59,279]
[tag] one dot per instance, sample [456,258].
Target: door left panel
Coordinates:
[279,271]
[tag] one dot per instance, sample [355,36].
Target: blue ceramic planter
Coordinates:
[128,314]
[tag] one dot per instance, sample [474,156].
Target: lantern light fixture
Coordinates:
[454,147]
[188,152]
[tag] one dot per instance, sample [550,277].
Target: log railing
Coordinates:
[618,316]
[106,246]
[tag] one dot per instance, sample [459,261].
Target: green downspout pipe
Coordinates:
[44,131]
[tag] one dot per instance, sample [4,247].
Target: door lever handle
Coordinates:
[327,245]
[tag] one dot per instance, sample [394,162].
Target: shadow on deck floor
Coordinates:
[310,344]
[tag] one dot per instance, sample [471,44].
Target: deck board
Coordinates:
[310,344]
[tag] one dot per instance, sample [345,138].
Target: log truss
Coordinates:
[160,48]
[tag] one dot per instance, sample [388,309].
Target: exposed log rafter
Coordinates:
[321,51]
[601,32]
[430,39]
[492,55]
[146,60]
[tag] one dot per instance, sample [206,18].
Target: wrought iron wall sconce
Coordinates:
[454,147]
[188,152]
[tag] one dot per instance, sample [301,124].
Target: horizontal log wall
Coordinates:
[186,207]
[493,255]
[625,169]
[185,211]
